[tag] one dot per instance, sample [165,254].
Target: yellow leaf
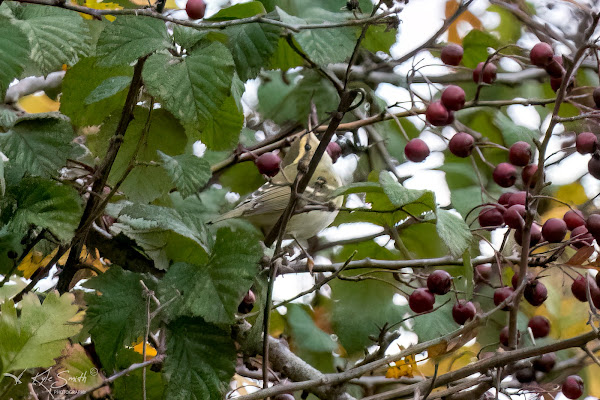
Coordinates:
[406,367]
[30,263]
[572,193]
[150,351]
[437,349]
[76,369]
[99,5]
[34,260]
[38,103]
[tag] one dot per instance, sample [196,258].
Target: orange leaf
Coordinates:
[582,255]
[466,16]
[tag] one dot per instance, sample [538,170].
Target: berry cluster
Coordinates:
[542,56]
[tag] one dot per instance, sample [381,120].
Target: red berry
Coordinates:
[505,175]
[502,294]
[450,118]
[555,83]
[535,293]
[555,67]
[416,150]
[504,198]
[545,363]
[596,96]
[504,336]
[593,224]
[540,326]
[453,98]
[572,387]
[528,175]
[268,164]
[579,288]
[439,282]
[554,230]
[594,166]
[518,198]
[461,144]
[586,143]
[421,300]
[515,280]
[463,311]
[535,237]
[483,272]
[334,150]
[573,219]
[195,9]
[525,375]
[581,237]
[514,216]
[452,54]
[247,303]
[520,154]
[541,54]
[489,74]
[490,217]
[436,114]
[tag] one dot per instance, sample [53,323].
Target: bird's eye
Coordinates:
[307,147]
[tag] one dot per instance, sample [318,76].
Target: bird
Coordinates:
[264,207]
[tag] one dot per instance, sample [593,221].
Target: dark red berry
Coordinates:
[502,294]
[573,219]
[579,288]
[452,54]
[517,198]
[594,166]
[540,326]
[520,154]
[580,237]
[554,230]
[525,375]
[555,83]
[504,198]
[535,293]
[505,175]
[436,114]
[489,74]
[545,363]
[421,300]
[334,150]
[586,143]
[461,144]
[528,175]
[514,216]
[504,336]
[535,237]
[195,9]
[268,164]
[247,303]
[490,217]
[450,118]
[439,282]
[515,280]
[593,224]
[416,150]
[463,311]
[596,97]
[453,98]
[572,387]
[483,272]
[541,54]
[555,67]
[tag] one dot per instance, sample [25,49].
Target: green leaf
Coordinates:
[46,204]
[56,36]
[108,88]
[163,233]
[323,46]
[145,182]
[128,386]
[189,173]
[193,88]
[252,45]
[7,118]
[475,46]
[129,38]
[78,84]
[435,324]
[512,132]
[115,317]
[200,360]
[214,290]
[285,57]
[39,144]
[14,47]
[289,100]
[187,37]
[39,334]
[306,334]
[222,131]
[239,11]
[379,38]
[401,196]
[453,231]
[357,187]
